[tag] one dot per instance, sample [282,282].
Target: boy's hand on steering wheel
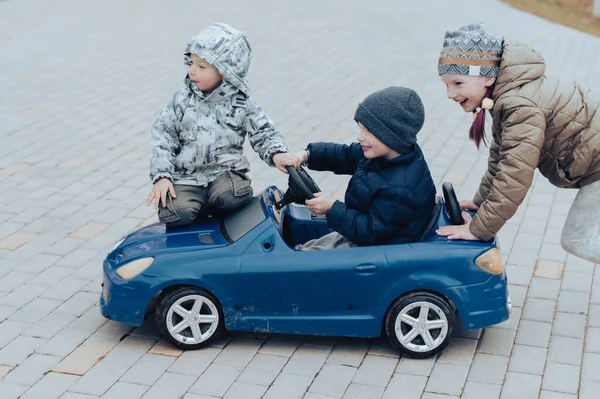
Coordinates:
[468,204]
[159,191]
[283,159]
[321,204]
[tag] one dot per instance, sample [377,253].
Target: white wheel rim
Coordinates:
[421,326]
[192,319]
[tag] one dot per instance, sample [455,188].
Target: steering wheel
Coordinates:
[300,187]
[452,205]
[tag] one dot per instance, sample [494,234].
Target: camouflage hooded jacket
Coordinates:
[200,135]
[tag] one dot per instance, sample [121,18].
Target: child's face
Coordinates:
[372,147]
[468,91]
[206,76]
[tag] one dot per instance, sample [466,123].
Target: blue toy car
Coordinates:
[242,273]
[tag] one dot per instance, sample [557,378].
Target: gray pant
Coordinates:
[228,192]
[333,240]
[581,232]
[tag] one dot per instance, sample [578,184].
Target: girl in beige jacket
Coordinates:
[537,122]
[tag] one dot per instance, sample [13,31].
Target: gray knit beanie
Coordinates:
[393,115]
[471,50]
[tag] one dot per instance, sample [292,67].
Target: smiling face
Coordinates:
[372,147]
[206,76]
[468,91]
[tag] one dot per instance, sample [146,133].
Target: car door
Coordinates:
[311,292]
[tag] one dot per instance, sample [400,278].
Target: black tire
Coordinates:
[419,340]
[192,333]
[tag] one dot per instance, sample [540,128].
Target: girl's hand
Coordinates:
[461,232]
[321,204]
[283,159]
[159,191]
[468,204]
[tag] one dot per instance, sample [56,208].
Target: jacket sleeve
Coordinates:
[340,159]
[523,129]
[486,181]
[263,136]
[164,138]
[389,212]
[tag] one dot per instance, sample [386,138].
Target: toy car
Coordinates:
[242,273]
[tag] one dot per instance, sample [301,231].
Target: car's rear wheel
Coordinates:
[189,317]
[420,324]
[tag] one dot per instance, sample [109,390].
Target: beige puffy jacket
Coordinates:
[539,122]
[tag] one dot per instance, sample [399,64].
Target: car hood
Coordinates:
[157,238]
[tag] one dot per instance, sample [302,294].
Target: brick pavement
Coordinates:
[80,85]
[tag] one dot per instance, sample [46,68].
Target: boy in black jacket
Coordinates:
[391,195]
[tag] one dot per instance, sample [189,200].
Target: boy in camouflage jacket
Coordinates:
[197,165]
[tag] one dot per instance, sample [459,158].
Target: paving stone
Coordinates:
[566,350]
[73,395]
[4,370]
[64,342]
[488,368]
[575,281]
[360,391]
[375,370]
[573,302]
[81,359]
[561,378]
[52,385]
[174,386]
[333,380]
[100,378]
[421,367]
[263,369]
[460,351]
[528,359]
[239,352]
[148,369]
[549,269]
[19,350]
[539,310]
[556,395]
[497,341]
[592,342]
[521,386]
[349,352]
[163,347]
[447,379]
[290,386]
[591,365]
[16,240]
[534,333]
[569,325]
[480,390]
[216,380]
[122,390]
[405,386]
[588,389]
[307,360]
[31,370]
[11,391]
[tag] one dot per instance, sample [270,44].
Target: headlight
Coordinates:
[132,269]
[491,261]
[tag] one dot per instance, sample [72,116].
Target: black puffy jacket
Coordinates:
[387,201]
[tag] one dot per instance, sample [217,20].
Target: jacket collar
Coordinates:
[384,163]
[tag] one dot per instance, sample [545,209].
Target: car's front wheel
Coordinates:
[420,324]
[189,317]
